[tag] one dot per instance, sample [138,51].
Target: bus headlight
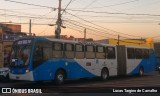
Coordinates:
[27,71]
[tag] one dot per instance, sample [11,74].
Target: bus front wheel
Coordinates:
[60,76]
[104,74]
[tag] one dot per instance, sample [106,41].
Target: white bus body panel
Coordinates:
[28,76]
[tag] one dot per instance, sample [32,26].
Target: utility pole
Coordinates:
[118,40]
[59,22]
[30,25]
[85,35]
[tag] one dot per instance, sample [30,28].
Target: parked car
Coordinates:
[4,73]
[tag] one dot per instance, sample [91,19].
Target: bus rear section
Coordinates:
[135,60]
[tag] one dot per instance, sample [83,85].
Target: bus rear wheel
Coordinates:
[59,78]
[141,71]
[104,74]
[159,70]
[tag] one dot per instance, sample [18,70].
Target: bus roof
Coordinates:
[77,42]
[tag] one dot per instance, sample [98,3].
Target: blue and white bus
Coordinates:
[41,59]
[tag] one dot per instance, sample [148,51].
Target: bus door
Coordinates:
[111,61]
[121,60]
[90,61]
[41,64]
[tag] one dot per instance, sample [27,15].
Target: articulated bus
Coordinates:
[46,59]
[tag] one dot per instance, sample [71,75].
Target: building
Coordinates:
[129,42]
[8,34]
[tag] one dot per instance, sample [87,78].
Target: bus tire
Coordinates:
[104,74]
[141,71]
[159,70]
[59,77]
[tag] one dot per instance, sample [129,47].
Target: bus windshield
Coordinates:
[20,55]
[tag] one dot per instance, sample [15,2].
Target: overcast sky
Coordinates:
[102,18]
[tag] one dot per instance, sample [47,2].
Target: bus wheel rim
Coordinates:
[141,72]
[60,77]
[104,75]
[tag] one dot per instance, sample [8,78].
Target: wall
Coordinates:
[131,42]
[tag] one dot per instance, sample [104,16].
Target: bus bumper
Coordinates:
[28,76]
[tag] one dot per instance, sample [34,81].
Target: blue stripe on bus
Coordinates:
[147,64]
[47,70]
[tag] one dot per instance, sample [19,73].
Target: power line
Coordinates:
[28,23]
[123,20]
[114,4]
[16,11]
[130,18]
[84,10]
[101,26]
[94,31]
[26,8]
[143,5]
[87,6]
[88,27]
[46,28]
[88,11]
[120,3]
[130,22]
[91,33]
[67,6]
[26,16]
[30,4]
[100,35]
[116,13]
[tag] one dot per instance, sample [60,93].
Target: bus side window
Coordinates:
[151,52]
[130,53]
[100,52]
[47,50]
[79,51]
[69,51]
[138,53]
[90,51]
[145,53]
[111,53]
[38,53]
[57,50]
[43,51]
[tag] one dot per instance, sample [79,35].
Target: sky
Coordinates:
[102,19]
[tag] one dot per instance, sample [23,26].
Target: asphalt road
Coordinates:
[94,85]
